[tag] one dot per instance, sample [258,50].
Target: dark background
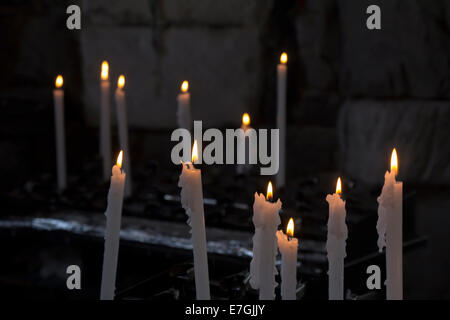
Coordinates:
[353,93]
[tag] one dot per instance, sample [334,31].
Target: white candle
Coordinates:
[262,267]
[123,130]
[192,201]
[390,233]
[281,117]
[184,117]
[60,136]
[105,121]
[113,215]
[337,235]
[288,246]
[244,168]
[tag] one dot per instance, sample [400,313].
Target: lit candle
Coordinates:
[105,121]
[262,267]
[60,140]
[113,215]
[288,247]
[281,117]
[337,235]
[184,107]
[123,130]
[192,201]
[244,168]
[389,227]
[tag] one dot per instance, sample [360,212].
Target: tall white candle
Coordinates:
[390,230]
[105,121]
[123,131]
[337,235]
[192,201]
[60,135]
[113,215]
[184,117]
[262,267]
[288,246]
[281,117]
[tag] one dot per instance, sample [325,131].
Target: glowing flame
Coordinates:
[121,81]
[283,58]
[290,228]
[269,195]
[245,119]
[105,70]
[59,81]
[184,86]
[339,186]
[119,159]
[394,161]
[194,152]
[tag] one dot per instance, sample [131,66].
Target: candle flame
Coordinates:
[339,186]
[284,58]
[245,119]
[269,195]
[121,81]
[59,81]
[290,228]
[119,159]
[394,162]
[184,86]
[194,152]
[105,70]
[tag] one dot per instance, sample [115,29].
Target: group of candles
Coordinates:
[267,240]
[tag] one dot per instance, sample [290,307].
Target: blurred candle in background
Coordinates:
[123,131]
[390,230]
[262,267]
[105,121]
[113,215]
[245,168]
[337,235]
[60,136]
[184,117]
[281,117]
[288,246]
[192,201]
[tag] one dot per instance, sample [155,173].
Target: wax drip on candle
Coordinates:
[386,200]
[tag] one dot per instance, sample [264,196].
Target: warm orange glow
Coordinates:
[121,81]
[290,228]
[59,81]
[184,86]
[269,195]
[394,162]
[283,58]
[119,159]
[245,119]
[194,152]
[105,70]
[339,186]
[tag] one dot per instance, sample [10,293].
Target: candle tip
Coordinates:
[269,195]
[245,119]
[184,86]
[121,81]
[59,81]
[119,159]
[284,58]
[339,186]
[194,152]
[105,70]
[394,162]
[290,228]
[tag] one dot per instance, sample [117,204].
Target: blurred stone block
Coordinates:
[213,12]
[222,66]
[419,130]
[407,57]
[117,12]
